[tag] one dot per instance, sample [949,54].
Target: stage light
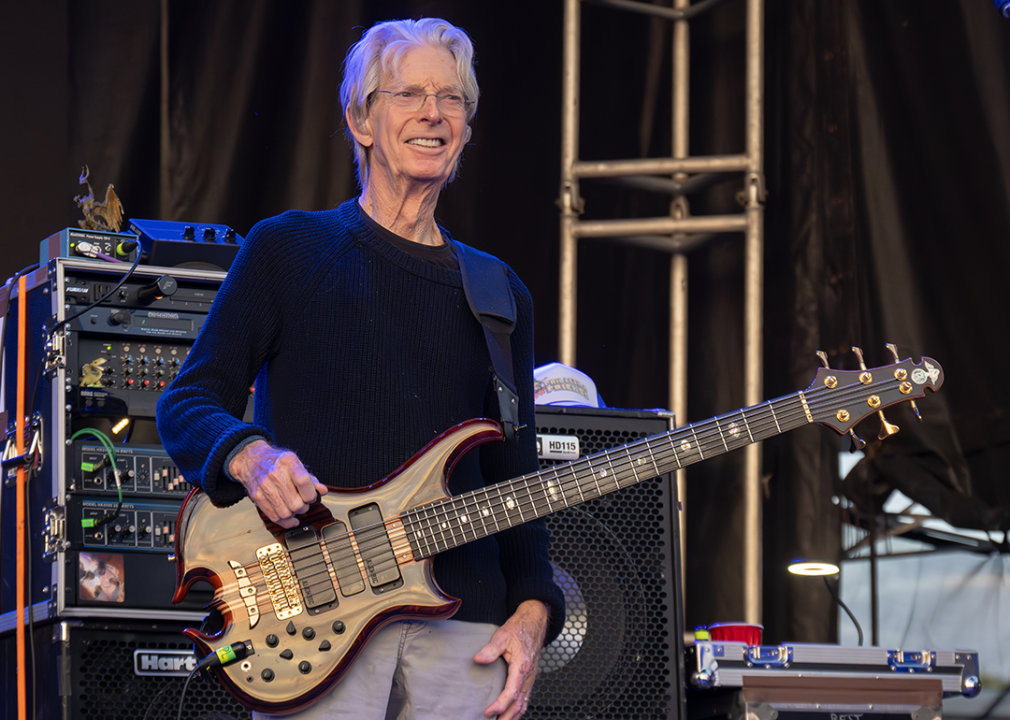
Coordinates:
[819,568]
[812,568]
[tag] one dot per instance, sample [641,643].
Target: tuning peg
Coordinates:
[894,351]
[857,442]
[824,358]
[886,428]
[859,356]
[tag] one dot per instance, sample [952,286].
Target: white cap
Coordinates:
[557,384]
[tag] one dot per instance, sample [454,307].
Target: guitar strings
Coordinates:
[703,433]
[580,476]
[790,411]
[441,514]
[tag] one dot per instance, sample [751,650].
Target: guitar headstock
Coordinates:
[842,398]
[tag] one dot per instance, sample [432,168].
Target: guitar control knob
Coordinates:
[308,633]
[272,640]
[267,675]
[304,667]
[339,627]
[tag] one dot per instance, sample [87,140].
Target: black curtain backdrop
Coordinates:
[888,168]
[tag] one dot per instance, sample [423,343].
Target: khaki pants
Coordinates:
[415,670]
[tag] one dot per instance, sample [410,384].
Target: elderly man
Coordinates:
[354,326]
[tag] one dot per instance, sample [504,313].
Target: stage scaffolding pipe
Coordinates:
[678,232]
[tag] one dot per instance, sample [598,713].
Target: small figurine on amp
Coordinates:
[106,215]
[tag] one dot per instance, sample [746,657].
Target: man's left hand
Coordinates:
[518,642]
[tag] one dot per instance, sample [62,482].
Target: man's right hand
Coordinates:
[276,481]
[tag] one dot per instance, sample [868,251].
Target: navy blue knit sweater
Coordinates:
[361,355]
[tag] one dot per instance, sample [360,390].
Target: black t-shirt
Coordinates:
[441,255]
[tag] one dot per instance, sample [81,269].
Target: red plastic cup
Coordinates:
[749,633]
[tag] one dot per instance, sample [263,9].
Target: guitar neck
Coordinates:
[440,526]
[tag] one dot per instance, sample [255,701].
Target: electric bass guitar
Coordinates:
[299,605]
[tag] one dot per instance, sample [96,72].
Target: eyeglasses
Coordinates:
[449,104]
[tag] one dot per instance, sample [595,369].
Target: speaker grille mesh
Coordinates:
[616,658]
[106,688]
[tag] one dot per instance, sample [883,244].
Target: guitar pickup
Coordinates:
[345,564]
[310,567]
[376,551]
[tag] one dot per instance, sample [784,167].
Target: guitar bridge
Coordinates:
[280,581]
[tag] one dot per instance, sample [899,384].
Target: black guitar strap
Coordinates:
[486,284]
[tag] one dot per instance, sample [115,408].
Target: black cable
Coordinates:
[104,297]
[51,331]
[222,656]
[845,608]
[147,713]
[185,687]
[30,405]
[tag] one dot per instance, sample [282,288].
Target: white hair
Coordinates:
[378,54]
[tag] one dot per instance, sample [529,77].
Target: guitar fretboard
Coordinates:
[440,526]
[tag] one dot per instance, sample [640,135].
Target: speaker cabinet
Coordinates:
[617,559]
[94,670]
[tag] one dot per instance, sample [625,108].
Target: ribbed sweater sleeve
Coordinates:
[199,417]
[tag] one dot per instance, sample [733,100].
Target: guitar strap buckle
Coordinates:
[508,402]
